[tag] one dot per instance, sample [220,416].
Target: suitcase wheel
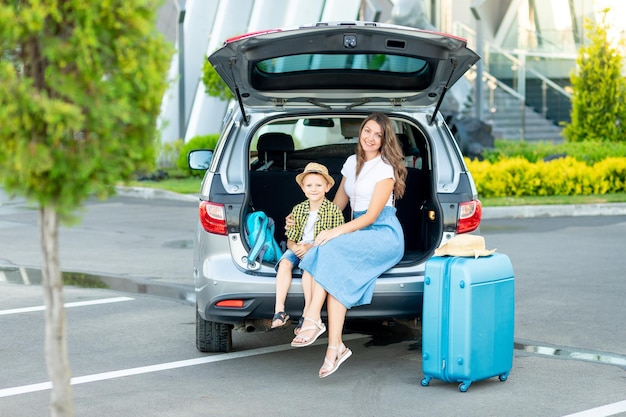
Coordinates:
[464,386]
[426,381]
[504,377]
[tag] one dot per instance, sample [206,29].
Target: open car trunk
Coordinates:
[281,150]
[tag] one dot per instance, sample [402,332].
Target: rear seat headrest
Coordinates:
[275,142]
[405,142]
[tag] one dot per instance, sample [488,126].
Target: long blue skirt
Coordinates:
[347,266]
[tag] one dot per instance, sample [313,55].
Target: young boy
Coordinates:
[313,215]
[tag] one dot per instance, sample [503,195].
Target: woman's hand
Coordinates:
[326,235]
[289,223]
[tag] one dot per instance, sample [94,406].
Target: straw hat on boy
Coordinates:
[315,168]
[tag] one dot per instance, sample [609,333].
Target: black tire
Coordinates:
[212,336]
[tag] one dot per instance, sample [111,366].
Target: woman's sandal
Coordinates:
[319,327]
[283,317]
[329,367]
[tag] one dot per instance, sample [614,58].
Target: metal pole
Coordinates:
[480,66]
[521,89]
[182,125]
[544,99]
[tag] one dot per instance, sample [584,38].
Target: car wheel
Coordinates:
[212,336]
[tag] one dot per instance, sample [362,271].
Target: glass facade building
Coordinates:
[529,48]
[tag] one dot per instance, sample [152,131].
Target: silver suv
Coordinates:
[301,96]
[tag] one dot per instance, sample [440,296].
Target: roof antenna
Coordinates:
[443,93]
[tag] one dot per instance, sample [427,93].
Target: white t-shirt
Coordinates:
[372,172]
[308,235]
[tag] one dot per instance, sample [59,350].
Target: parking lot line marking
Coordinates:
[603,411]
[68,305]
[25,389]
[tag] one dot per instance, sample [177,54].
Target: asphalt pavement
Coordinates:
[139,248]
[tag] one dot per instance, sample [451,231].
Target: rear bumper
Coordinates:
[256,307]
[399,298]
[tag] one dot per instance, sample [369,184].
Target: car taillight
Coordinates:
[470,214]
[213,218]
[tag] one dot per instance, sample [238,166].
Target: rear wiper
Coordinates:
[443,92]
[318,103]
[231,64]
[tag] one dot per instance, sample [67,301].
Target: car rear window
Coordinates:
[327,140]
[342,71]
[352,62]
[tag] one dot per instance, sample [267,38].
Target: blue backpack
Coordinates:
[260,234]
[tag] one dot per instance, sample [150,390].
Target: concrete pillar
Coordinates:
[267,14]
[231,19]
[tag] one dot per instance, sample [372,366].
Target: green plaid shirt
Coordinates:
[328,216]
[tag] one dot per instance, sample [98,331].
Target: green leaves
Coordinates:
[215,86]
[517,177]
[599,99]
[81,85]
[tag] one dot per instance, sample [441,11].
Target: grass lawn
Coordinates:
[177,185]
[557,199]
[192,186]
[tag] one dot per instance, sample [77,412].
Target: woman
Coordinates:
[345,261]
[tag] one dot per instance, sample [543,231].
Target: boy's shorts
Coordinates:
[291,257]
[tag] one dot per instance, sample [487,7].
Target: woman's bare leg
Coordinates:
[336,319]
[313,310]
[307,290]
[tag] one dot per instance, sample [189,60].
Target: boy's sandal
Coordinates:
[284,319]
[298,326]
[328,368]
[319,327]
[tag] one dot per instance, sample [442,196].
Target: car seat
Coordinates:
[411,153]
[273,149]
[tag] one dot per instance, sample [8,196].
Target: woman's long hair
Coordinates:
[390,151]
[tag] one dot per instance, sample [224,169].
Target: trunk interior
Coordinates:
[275,162]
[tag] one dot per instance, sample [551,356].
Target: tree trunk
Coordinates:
[56,337]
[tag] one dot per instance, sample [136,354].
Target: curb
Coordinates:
[566,210]
[154,193]
[490,213]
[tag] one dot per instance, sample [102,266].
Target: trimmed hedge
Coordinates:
[198,142]
[516,177]
[588,151]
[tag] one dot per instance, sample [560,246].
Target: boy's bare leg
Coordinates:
[283,282]
[307,290]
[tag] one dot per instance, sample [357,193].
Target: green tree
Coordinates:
[599,98]
[213,83]
[81,83]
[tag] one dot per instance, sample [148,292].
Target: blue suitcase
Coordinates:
[468,319]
